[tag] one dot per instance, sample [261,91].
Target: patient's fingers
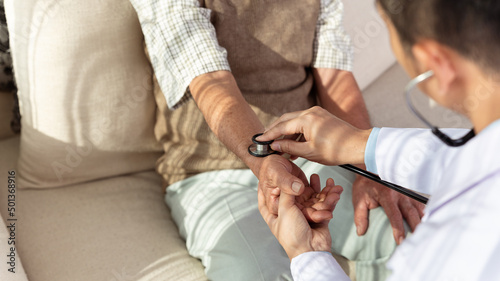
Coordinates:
[323,207]
[315,183]
[317,216]
[268,216]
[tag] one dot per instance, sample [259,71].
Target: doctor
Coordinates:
[452,49]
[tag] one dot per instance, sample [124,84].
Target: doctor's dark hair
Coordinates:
[470,27]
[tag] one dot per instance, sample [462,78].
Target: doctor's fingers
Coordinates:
[288,124]
[297,149]
[313,112]
[283,118]
[300,122]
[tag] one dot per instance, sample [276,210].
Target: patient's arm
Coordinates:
[234,123]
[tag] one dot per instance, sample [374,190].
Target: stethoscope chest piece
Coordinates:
[260,148]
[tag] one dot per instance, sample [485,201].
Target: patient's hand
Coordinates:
[302,223]
[277,174]
[317,207]
[367,195]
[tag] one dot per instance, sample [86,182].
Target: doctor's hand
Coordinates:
[367,195]
[294,232]
[326,139]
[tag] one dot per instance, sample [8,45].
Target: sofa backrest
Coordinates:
[85,91]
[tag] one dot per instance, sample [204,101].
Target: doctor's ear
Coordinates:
[430,55]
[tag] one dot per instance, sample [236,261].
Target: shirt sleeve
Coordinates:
[404,156]
[332,45]
[371,144]
[317,266]
[181,42]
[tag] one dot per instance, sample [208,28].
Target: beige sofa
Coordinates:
[89,205]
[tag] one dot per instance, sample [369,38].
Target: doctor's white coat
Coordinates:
[459,236]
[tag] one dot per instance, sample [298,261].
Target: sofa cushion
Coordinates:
[112,229]
[85,91]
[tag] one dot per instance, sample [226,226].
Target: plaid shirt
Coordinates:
[183,45]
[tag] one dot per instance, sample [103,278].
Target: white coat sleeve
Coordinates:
[317,266]
[406,157]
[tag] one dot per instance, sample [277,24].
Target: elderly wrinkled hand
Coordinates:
[277,174]
[301,224]
[368,195]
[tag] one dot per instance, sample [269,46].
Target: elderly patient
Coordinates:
[226,69]
[451,48]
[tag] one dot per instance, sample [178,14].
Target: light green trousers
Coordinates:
[217,215]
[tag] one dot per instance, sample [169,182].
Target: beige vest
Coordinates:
[270,49]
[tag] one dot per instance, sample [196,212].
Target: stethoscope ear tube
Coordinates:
[405,191]
[435,130]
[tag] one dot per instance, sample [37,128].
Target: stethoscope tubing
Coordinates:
[254,151]
[405,191]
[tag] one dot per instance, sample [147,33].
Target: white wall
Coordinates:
[372,52]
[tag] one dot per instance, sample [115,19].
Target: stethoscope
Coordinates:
[263,149]
[435,130]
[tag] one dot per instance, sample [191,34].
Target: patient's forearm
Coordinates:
[227,113]
[339,94]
